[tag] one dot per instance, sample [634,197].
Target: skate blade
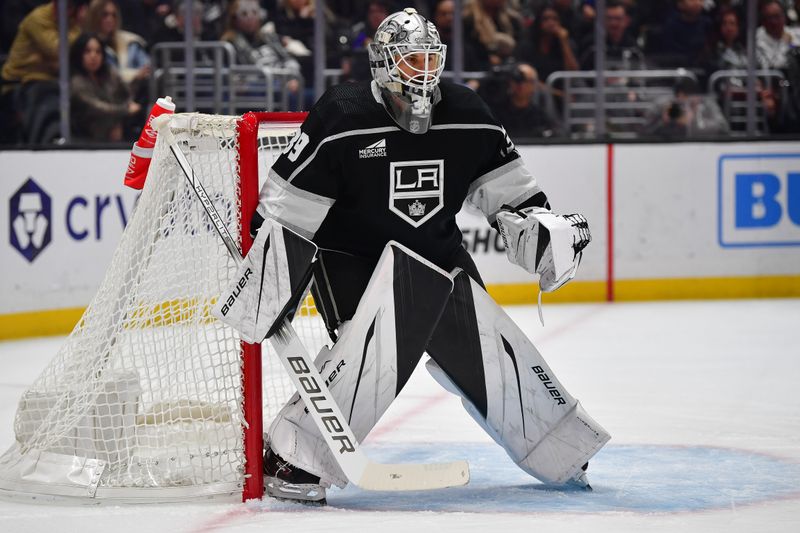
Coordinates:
[579,483]
[294,492]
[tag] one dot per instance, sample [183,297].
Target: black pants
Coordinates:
[340,280]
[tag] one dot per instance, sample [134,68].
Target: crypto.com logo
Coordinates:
[30,212]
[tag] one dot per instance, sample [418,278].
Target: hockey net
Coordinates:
[150,398]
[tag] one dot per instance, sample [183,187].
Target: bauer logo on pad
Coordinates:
[416,190]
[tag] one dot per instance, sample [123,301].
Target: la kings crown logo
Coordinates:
[417,189]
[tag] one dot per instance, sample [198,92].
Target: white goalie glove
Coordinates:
[544,243]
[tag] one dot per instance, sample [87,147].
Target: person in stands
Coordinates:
[100,100]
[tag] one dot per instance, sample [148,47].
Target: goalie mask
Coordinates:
[406,58]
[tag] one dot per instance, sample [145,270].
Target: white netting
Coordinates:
[146,391]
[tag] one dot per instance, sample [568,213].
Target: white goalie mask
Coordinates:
[407,58]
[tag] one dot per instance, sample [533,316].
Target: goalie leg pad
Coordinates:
[508,388]
[268,284]
[371,362]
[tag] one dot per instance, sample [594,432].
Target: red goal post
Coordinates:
[247,130]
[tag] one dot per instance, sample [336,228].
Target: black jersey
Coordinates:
[352,180]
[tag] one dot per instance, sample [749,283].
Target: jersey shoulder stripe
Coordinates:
[350,106]
[337,136]
[462,105]
[493,127]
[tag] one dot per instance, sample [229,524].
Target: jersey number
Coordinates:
[296,146]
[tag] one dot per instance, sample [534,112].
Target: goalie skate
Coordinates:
[284,481]
[581,480]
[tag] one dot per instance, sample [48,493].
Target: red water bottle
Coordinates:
[142,151]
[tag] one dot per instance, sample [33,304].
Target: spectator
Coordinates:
[364,30]
[781,101]
[648,23]
[100,99]
[718,6]
[125,51]
[588,14]
[443,16]
[687,114]
[30,72]
[773,38]
[349,10]
[730,53]
[780,116]
[12,12]
[492,30]
[549,47]
[729,48]
[528,111]
[793,12]
[353,10]
[622,52]
[144,17]
[34,52]
[685,36]
[361,35]
[578,17]
[791,94]
[294,22]
[256,43]
[173,25]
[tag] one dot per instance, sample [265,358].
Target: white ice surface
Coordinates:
[701,400]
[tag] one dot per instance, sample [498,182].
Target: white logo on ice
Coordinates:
[377,149]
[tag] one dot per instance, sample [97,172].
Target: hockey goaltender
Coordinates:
[375,178]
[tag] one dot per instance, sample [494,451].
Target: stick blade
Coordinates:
[406,477]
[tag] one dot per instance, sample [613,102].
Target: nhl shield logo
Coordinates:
[417,190]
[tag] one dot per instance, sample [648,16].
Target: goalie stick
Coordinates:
[334,427]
